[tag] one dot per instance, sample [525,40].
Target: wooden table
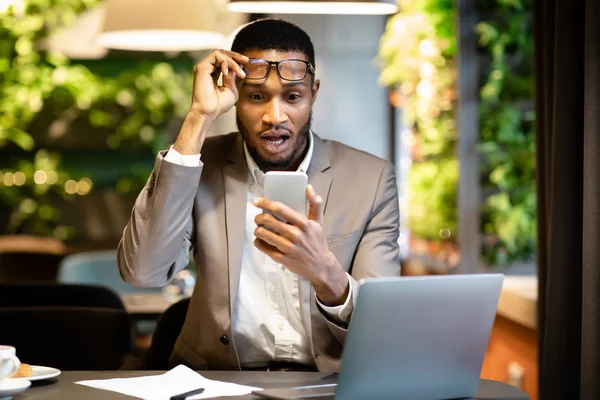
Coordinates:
[63,387]
[512,353]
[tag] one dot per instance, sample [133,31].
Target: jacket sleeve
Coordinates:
[157,239]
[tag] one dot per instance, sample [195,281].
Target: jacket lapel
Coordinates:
[321,180]
[235,175]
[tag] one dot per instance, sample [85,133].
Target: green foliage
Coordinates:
[133,107]
[430,188]
[417,56]
[507,141]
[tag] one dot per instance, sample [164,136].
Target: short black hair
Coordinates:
[273,34]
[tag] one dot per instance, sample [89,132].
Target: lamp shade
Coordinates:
[361,7]
[160,25]
[5,4]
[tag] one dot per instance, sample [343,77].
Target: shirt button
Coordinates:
[273,287]
[281,327]
[224,339]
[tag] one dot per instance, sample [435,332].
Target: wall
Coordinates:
[352,107]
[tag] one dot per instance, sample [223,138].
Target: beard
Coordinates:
[266,164]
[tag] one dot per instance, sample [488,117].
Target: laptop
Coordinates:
[417,338]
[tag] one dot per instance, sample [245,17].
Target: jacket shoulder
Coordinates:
[347,157]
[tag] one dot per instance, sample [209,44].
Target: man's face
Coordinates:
[273,115]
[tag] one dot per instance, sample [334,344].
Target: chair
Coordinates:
[98,268]
[168,328]
[58,295]
[66,326]
[67,338]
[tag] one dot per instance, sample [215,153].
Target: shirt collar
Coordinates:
[258,176]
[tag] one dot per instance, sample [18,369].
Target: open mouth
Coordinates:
[274,141]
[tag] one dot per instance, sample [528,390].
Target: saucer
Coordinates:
[12,386]
[39,373]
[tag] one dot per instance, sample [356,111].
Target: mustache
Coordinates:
[276,132]
[264,163]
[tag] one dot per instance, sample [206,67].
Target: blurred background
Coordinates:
[80,123]
[91,90]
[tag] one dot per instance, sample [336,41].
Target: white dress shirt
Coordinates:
[266,321]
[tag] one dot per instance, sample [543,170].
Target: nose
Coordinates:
[275,114]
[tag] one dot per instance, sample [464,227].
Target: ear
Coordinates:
[315,90]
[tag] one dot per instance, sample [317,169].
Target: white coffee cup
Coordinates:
[9,363]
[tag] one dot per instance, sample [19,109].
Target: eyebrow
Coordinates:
[262,85]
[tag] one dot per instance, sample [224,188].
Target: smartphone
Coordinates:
[287,187]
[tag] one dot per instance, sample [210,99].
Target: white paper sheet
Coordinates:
[161,387]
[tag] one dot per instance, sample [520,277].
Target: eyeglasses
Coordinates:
[288,70]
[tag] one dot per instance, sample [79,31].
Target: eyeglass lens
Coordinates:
[288,69]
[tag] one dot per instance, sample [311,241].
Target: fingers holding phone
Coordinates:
[289,230]
[291,233]
[315,205]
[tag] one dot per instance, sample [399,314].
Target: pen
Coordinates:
[183,396]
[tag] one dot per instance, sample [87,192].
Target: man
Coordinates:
[264,299]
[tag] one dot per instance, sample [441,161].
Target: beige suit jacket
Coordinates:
[204,209]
